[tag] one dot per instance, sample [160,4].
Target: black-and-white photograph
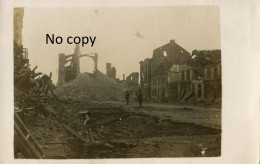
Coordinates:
[117,82]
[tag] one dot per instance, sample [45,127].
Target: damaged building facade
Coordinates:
[69,65]
[154,71]
[132,79]
[169,76]
[110,71]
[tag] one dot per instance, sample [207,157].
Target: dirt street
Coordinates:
[205,116]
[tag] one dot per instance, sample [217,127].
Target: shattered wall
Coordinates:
[108,68]
[169,54]
[113,73]
[212,80]
[174,73]
[145,77]
[132,79]
[159,86]
[71,71]
[61,74]
[110,71]
[18,25]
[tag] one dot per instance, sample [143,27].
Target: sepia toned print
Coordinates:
[117,82]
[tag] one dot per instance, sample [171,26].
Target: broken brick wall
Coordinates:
[170,52]
[110,71]
[132,79]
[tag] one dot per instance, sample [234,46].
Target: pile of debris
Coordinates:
[31,99]
[31,89]
[92,86]
[30,92]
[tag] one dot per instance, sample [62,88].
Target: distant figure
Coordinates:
[140,97]
[127,97]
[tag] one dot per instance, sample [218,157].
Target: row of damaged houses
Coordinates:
[173,74]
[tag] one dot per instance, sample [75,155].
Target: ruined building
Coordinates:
[72,70]
[110,71]
[172,74]
[132,79]
[154,71]
[198,82]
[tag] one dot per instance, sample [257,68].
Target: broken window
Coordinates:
[164,53]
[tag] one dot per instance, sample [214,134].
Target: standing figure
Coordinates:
[140,97]
[127,97]
[84,117]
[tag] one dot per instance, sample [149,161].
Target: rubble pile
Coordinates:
[31,88]
[91,86]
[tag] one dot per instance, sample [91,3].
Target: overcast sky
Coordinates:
[124,36]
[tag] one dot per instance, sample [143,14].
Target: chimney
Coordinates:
[123,76]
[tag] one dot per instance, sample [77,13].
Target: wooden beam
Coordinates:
[74,133]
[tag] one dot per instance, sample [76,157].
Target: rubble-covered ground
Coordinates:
[92,87]
[117,130]
[152,131]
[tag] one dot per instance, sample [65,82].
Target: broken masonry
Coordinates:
[71,72]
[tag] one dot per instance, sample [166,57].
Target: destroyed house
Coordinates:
[69,65]
[201,80]
[212,80]
[160,80]
[132,79]
[154,72]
